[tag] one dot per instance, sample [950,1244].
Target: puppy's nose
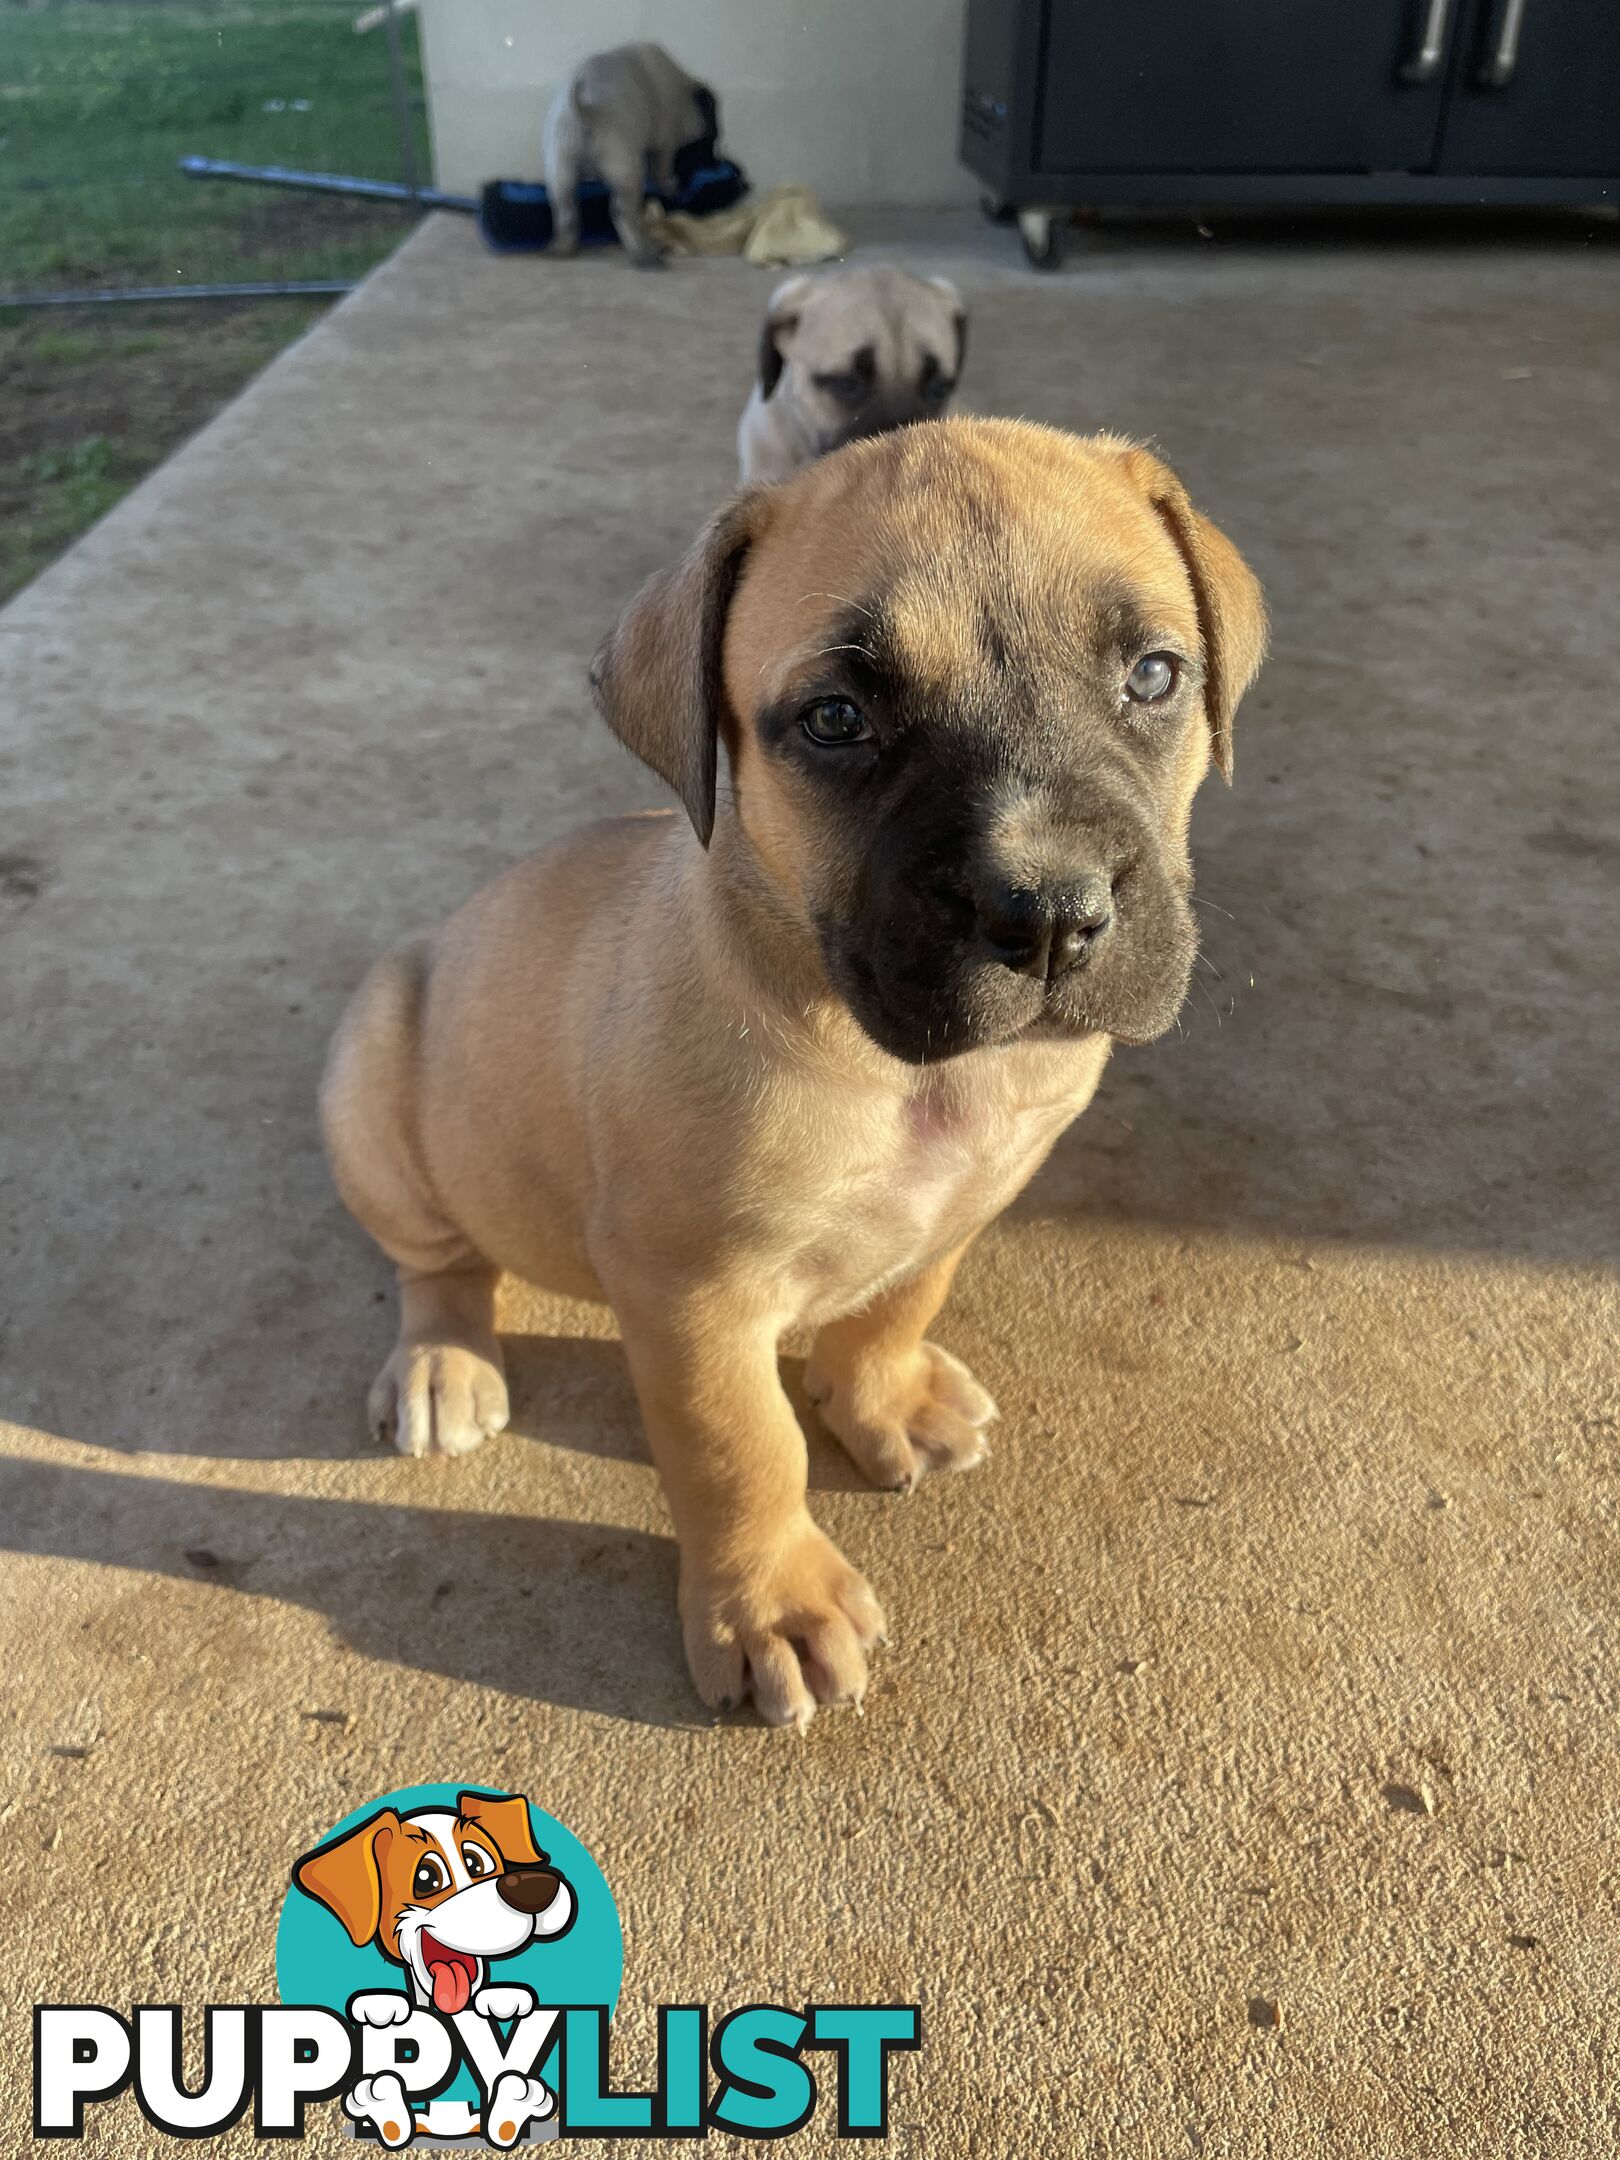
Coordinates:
[1046,934]
[527,1889]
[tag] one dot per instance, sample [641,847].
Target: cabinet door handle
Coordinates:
[1499,65]
[1424,65]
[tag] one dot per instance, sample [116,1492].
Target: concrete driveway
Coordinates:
[1242,1780]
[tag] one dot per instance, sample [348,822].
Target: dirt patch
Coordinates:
[92,399]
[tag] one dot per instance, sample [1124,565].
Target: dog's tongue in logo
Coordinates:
[450,1973]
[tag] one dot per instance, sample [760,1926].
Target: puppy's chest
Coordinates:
[937,1171]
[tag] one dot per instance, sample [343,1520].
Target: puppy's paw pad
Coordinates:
[437,1399]
[900,1420]
[791,1635]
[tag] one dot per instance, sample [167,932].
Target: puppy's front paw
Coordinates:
[901,1418]
[791,1630]
[437,1398]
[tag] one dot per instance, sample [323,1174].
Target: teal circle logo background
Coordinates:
[317,1963]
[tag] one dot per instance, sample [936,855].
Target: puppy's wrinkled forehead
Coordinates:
[965,561]
[891,317]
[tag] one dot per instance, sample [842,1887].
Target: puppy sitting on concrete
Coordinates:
[622,116]
[847,353]
[936,709]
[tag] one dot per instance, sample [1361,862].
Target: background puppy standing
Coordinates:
[847,353]
[621,116]
[937,710]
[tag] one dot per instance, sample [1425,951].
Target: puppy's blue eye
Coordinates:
[833,722]
[1154,676]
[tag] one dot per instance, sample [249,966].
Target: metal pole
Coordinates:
[202,168]
[105,296]
[404,119]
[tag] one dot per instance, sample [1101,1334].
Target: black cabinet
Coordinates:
[1539,94]
[1221,86]
[1114,102]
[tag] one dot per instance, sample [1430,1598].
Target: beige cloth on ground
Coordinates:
[786,226]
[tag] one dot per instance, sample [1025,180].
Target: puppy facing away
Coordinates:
[936,709]
[621,116]
[847,353]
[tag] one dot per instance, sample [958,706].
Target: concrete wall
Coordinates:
[857,98]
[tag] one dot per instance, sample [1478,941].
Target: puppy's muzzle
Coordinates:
[528,1889]
[1046,934]
[890,409]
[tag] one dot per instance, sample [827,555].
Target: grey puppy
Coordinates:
[847,353]
[620,117]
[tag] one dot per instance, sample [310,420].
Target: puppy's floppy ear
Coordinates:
[960,316]
[507,1822]
[657,678]
[346,1876]
[781,320]
[1231,606]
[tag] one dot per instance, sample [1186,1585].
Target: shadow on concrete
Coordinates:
[571,1613]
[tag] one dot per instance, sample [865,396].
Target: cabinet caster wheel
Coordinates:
[995,211]
[1045,238]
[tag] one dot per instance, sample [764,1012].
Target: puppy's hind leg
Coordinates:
[562,154]
[443,1389]
[624,168]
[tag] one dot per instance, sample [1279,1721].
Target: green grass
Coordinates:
[99,102]
[66,489]
[63,491]
[99,99]
[84,413]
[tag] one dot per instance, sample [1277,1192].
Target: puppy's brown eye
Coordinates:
[476,1861]
[430,1877]
[1154,676]
[833,722]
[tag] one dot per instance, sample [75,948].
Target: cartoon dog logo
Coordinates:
[442,1893]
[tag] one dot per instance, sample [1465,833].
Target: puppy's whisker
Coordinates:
[822,651]
[1198,900]
[841,600]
